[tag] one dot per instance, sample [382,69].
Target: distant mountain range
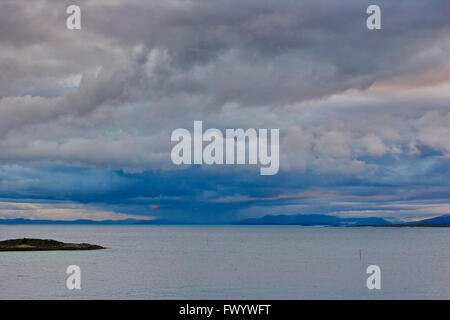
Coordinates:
[441,220]
[313,220]
[298,219]
[326,220]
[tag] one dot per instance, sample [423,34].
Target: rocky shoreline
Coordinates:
[26,244]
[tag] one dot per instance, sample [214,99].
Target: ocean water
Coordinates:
[230,262]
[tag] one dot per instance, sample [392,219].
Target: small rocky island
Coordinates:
[44,245]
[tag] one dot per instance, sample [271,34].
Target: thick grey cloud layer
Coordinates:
[138,69]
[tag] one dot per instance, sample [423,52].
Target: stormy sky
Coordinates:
[86,115]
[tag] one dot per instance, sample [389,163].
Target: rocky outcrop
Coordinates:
[44,245]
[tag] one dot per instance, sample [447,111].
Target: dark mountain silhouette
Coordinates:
[312,220]
[445,219]
[297,219]
[441,221]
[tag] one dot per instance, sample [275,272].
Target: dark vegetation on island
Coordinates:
[43,245]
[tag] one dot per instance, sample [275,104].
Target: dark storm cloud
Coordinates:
[222,196]
[260,52]
[264,52]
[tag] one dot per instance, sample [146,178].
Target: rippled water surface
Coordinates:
[230,262]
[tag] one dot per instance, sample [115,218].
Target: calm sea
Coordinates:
[230,262]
